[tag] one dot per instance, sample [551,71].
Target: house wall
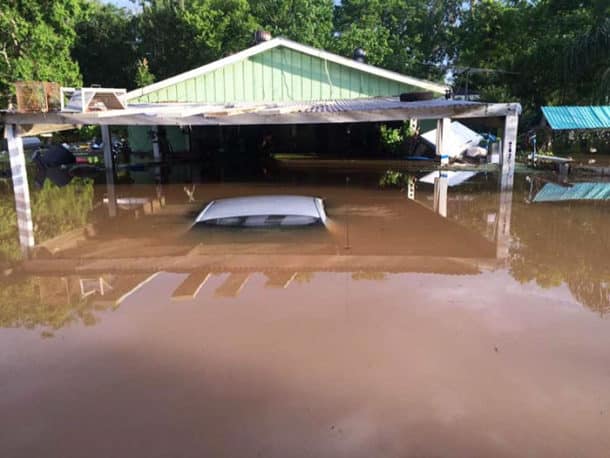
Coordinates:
[140,140]
[277,75]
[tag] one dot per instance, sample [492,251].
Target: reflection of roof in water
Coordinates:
[552,192]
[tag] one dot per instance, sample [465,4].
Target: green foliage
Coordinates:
[54,210]
[548,52]
[105,45]
[393,139]
[394,179]
[176,39]
[9,241]
[35,41]
[143,75]
[408,36]
[41,303]
[566,252]
[305,21]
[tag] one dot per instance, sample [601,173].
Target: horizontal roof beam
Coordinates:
[212,116]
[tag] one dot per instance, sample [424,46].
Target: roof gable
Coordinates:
[279,70]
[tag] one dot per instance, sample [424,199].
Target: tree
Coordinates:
[547,51]
[408,36]
[35,41]
[177,38]
[105,46]
[143,75]
[305,21]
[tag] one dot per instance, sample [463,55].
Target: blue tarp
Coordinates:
[571,118]
[552,192]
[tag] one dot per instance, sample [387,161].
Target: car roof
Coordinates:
[284,205]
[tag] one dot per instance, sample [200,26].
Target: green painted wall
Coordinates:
[277,75]
[140,142]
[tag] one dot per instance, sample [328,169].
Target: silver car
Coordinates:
[264,211]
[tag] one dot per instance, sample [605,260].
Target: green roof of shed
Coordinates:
[280,70]
[572,118]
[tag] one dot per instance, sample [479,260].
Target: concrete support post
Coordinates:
[109,164]
[21,189]
[440,196]
[443,127]
[509,148]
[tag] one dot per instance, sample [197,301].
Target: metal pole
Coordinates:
[21,189]
[109,164]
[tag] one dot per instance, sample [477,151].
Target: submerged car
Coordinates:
[264,211]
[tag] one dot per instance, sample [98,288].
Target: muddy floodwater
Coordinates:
[472,327]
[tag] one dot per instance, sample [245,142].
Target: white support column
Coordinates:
[440,195]
[509,148]
[109,165]
[21,189]
[442,133]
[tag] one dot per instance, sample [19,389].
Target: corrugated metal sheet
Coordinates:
[277,75]
[460,137]
[571,118]
[552,192]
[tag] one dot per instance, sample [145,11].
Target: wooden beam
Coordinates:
[170,115]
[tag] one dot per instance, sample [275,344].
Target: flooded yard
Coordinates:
[399,328]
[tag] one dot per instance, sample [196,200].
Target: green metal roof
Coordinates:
[571,118]
[552,192]
[280,71]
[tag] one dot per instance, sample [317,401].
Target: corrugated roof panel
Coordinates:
[552,192]
[571,118]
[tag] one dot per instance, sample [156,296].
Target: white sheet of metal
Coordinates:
[460,137]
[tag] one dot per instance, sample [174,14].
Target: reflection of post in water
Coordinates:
[191,286]
[21,189]
[109,165]
[279,279]
[233,285]
[503,238]
[507,171]
[440,195]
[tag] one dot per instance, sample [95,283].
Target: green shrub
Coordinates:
[394,139]
[54,210]
[394,179]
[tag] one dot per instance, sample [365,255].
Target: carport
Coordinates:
[272,83]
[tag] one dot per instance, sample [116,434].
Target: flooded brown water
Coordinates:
[392,332]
